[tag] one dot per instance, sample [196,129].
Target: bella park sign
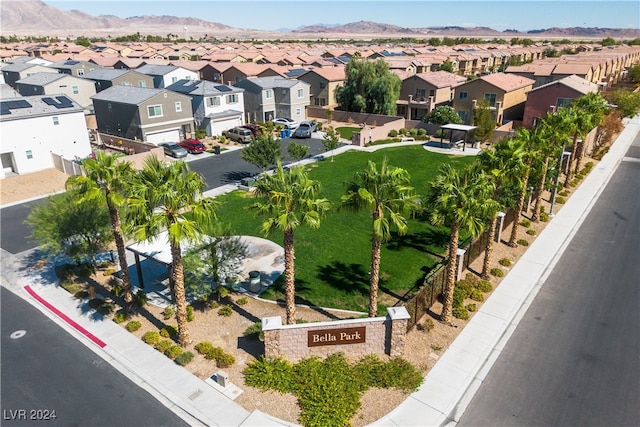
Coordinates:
[336,336]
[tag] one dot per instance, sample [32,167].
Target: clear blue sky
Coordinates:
[272,15]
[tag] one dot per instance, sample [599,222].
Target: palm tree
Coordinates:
[291,200]
[457,199]
[530,141]
[387,195]
[554,136]
[579,123]
[503,166]
[107,176]
[596,107]
[167,197]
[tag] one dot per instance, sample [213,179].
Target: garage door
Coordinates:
[164,136]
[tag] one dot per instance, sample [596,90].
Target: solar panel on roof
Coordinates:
[7,106]
[59,102]
[223,88]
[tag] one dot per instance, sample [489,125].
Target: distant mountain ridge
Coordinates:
[33,17]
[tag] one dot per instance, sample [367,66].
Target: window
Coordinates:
[174,79]
[284,92]
[491,97]
[56,120]
[322,85]
[421,93]
[214,101]
[232,99]
[217,77]
[107,129]
[80,72]
[563,103]
[29,154]
[126,84]
[109,107]
[298,112]
[268,94]
[75,90]
[319,102]
[154,111]
[463,95]
[178,107]
[300,93]
[142,83]
[432,92]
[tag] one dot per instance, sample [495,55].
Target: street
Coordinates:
[574,358]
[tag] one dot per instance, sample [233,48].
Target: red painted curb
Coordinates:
[66,318]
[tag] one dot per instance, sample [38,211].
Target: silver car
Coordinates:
[305,130]
[174,150]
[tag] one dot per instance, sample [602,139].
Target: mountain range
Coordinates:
[35,18]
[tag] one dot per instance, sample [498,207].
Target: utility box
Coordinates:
[222,378]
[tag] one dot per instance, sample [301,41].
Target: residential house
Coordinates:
[34,127]
[73,67]
[216,107]
[147,114]
[421,93]
[323,83]
[164,75]
[548,98]
[104,78]
[267,98]
[506,94]
[245,70]
[16,71]
[75,88]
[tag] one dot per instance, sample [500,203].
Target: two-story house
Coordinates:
[104,78]
[216,107]
[19,70]
[323,83]
[165,75]
[79,90]
[267,98]
[506,94]
[33,127]
[421,93]
[548,98]
[147,114]
[73,67]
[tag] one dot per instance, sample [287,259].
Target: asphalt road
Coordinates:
[48,370]
[574,359]
[227,168]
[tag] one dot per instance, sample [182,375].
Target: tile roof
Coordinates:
[574,82]
[507,82]
[442,78]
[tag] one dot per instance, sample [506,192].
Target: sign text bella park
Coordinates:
[336,336]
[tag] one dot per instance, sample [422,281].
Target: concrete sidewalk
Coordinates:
[452,382]
[447,388]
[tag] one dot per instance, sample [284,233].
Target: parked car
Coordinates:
[305,130]
[174,150]
[286,123]
[239,134]
[255,129]
[193,146]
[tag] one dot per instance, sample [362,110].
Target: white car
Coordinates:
[286,123]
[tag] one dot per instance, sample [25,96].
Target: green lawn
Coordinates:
[332,263]
[346,132]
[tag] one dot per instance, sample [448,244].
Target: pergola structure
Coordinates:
[455,127]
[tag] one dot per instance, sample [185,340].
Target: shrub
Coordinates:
[81,294]
[564,193]
[184,358]
[168,312]
[276,374]
[213,304]
[151,337]
[560,200]
[109,272]
[531,232]
[427,325]
[120,316]
[477,295]
[402,131]
[168,332]
[506,262]
[133,326]
[497,272]
[242,301]
[225,360]
[484,286]
[471,307]
[117,289]
[254,332]
[523,242]
[225,311]
[525,223]
[544,217]
[140,298]
[204,347]
[173,351]
[190,314]
[393,133]
[101,306]
[163,345]
[422,132]
[413,132]
[460,313]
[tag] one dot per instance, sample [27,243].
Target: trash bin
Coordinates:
[283,133]
[254,281]
[288,132]
[216,149]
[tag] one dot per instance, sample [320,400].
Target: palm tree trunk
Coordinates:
[488,251]
[289,277]
[543,178]
[579,155]
[177,273]
[447,304]
[567,178]
[375,276]
[516,222]
[122,256]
